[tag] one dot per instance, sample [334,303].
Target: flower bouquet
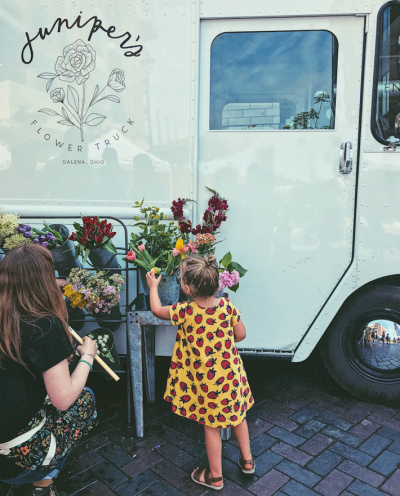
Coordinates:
[98,292]
[49,238]
[205,232]
[91,235]
[229,273]
[156,239]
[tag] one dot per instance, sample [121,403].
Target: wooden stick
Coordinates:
[97,358]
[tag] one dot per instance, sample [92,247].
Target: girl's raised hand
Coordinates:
[152,281]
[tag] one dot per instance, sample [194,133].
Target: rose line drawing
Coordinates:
[75,64]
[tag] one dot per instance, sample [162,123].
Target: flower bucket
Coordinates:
[113,350]
[168,289]
[64,256]
[104,259]
[103,320]
[76,317]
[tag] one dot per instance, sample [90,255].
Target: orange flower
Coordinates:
[24,450]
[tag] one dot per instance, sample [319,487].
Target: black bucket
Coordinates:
[103,319]
[64,256]
[76,317]
[103,259]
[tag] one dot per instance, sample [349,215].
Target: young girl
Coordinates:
[207,382]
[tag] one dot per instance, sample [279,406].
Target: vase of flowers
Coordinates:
[169,286]
[106,349]
[54,237]
[99,293]
[93,240]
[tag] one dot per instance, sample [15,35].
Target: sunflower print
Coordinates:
[207,382]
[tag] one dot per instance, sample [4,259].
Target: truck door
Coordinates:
[279,107]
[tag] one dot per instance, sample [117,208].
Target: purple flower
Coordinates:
[21,230]
[45,244]
[26,227]
[227,280]
[36,241]
[42,238]
[27,234]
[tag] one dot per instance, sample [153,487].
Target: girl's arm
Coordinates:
[63,389]
[158,310]
[239,332]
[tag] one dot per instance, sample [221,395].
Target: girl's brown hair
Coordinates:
[201,274]
[28,291]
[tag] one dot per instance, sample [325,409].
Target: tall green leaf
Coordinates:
[226,260]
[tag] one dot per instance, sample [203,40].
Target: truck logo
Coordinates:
[75,66]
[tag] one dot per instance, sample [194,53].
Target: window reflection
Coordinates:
[273,80]
[386,123]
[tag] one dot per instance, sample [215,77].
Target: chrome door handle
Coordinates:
[346,158]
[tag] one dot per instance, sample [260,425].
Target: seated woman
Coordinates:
[38,432]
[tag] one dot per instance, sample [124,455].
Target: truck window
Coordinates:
[273,80]
[386,101]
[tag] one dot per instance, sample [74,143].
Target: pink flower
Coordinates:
[184,249]
[141,248]
[194,250]
[131,255]
[175,252]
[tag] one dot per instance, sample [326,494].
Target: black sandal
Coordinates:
[242,464]
[208,480]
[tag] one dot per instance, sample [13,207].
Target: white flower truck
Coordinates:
[291,110]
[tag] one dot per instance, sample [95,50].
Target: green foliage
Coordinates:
[156,234]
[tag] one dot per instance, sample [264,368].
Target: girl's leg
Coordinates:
[214,453]
[242,437]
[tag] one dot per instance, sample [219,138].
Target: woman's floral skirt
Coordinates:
[67,427]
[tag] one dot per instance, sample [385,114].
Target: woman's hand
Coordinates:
[61,282]
[152,281]
[88,346]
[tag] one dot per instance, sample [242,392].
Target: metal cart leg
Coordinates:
[135,355]
[149,332]
[225,434]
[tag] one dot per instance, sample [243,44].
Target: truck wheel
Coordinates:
[367,370]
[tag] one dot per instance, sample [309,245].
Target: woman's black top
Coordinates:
[44,344]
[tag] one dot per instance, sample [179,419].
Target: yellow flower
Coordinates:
[165,217]
[157,217]
[179,244]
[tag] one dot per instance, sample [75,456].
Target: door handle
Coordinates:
[346,158]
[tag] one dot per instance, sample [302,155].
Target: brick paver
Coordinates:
[308,438]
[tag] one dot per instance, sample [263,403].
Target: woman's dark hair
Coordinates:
[201,274]
[28,291]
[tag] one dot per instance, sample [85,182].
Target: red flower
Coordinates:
[107,231]
[99,238]
[92,237]
[83,241]
[112,234]
[24,450]
[72,237]
[103,222]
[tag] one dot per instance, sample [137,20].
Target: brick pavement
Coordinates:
[308,436]
[380,355]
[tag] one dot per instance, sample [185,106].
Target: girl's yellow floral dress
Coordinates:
[207,382]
